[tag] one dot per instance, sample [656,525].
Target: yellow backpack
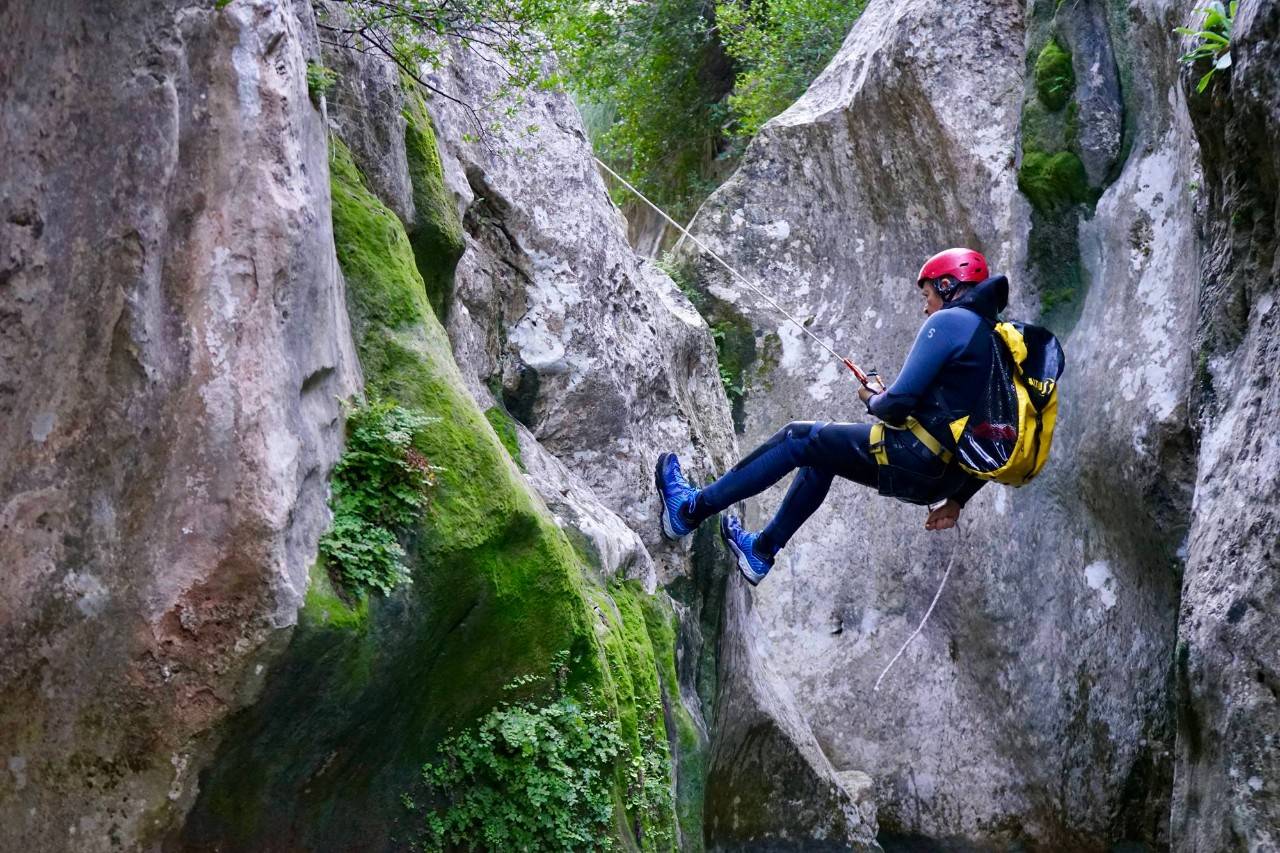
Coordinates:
[1006,438]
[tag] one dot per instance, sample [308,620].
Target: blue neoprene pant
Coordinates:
[821,452]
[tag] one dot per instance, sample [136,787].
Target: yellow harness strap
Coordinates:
[881,454]
[877,444]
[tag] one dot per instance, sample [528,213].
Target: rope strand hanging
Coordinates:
[857,371]
[950,562]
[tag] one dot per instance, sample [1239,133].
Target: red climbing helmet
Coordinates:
[961,264]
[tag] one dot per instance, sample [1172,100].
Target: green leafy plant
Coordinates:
[320,80]
[531,776]
[649,77]
[1213,39]
[380,487]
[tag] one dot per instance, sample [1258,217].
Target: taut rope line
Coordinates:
[862,377]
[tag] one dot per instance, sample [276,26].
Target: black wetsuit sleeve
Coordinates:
[968,490]
[942,337]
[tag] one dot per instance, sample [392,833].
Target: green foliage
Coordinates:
[320,80]
[673,87]
[380,487]
[732,374]
[539,774]
[1212,40]
[529,776]
[679,268]
[646,73]
[1055,79]
[1051,181]
[416,35]
[779,47]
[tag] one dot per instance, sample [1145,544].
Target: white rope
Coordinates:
[936,596]
[734,272]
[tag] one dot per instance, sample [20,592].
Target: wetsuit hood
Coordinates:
[987,299]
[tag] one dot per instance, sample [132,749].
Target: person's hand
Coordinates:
[944,517]
[873,387]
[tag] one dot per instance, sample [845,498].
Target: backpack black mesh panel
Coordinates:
[991,433]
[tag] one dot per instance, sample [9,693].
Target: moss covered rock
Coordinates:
[1051,181]
[436,232]
[1055,79]
[1044,130]
[362,698]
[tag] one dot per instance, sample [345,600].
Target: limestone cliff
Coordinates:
[173,344]
[1040,705]
[181,533]
[202,252]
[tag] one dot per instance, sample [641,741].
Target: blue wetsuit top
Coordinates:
[951,358]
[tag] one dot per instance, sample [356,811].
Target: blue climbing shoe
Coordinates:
[676,493]
[742,544]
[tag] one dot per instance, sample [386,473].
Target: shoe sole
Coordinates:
[744,566]
[667,532]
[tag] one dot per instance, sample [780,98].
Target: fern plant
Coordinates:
[1213,39]
[380,488]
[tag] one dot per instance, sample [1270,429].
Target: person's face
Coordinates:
[932,301]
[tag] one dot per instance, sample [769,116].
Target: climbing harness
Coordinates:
[862,377]
[950,562]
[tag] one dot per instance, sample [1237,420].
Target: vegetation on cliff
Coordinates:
[499,599]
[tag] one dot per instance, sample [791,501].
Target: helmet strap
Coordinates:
[947,286]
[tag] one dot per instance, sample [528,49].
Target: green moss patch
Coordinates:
[364,695]
[1042,130]
[662,625]
[504,426]
[1055,79]
[1051,181]
[436,234]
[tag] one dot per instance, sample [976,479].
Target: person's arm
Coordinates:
[968,490]
[939,341]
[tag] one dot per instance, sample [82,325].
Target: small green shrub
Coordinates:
[529,776]
[1055,80]
[1213,39]
[320,80]
[380,487]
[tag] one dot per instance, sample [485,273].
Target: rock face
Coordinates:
[172,344]
[1228,662]
[605,364]
[1036,706]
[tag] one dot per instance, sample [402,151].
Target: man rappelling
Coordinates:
[974,401]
